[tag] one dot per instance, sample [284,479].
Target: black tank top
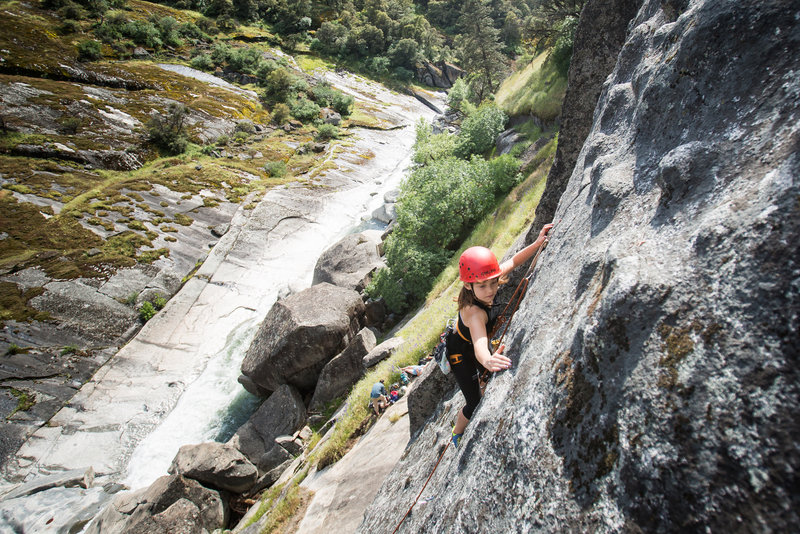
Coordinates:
[462,329]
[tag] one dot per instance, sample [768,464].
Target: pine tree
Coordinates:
[480,48]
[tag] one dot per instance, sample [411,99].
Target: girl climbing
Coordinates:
[468,347]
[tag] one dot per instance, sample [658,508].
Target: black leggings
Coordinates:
[466,369]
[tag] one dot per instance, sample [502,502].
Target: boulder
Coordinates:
[140,53]
[349,262]
[217,465]
[282,413]
[171,504]
[329,116]
[426,395]
[386,213]
[300,334]
[344,370]
[275,456]
[375,312]
[506,141]
[291,444]
[381,352]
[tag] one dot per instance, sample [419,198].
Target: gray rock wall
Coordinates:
[655,379]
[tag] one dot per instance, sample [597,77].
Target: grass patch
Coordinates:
[24,402]
[537,90]
[14,303]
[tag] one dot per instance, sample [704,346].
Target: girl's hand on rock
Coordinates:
[498,362]
[545,229]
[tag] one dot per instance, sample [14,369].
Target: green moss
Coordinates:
[25,402]
[14,303]
[182,219]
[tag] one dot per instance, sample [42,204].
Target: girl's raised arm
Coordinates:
[526,253]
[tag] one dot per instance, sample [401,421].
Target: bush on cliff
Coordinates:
[440,203]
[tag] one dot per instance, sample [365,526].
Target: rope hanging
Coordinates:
[518,294]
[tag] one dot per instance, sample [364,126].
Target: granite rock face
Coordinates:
[655,378]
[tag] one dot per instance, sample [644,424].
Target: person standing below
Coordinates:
[468,347]
[378,397]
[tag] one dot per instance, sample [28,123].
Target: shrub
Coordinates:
[403,74]
[264,69]
[429,147]
[158,301]
[479,130]
[71,10]
[240,137]
[458,94]
[220,52]
[246,126]
[404,53]
[342,103]
[143,33]
[562,50]
[323,94]
[89,50]
[278,85]
[275,169]
[167,131]
[378,65]
[70,125]
[327,131]
[245,60]
[305,110]
[69,27]
[208,26]
[280,113]
[147,311]
[202,62]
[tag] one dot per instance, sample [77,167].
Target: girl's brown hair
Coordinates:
[467,298]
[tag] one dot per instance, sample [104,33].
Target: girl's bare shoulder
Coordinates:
[471,312]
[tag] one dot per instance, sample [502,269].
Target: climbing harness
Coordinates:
[516,299]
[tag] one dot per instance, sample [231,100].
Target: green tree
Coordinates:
[480,48]
[543,26]
[168,131]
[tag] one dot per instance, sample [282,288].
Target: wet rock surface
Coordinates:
[654,380]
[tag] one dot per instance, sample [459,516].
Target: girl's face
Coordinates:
[486,290]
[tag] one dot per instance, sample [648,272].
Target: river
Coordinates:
[175,383]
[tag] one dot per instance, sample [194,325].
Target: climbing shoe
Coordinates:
[456,438]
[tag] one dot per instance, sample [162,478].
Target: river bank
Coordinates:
[145,402]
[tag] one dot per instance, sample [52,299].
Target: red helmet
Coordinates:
[478,264]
